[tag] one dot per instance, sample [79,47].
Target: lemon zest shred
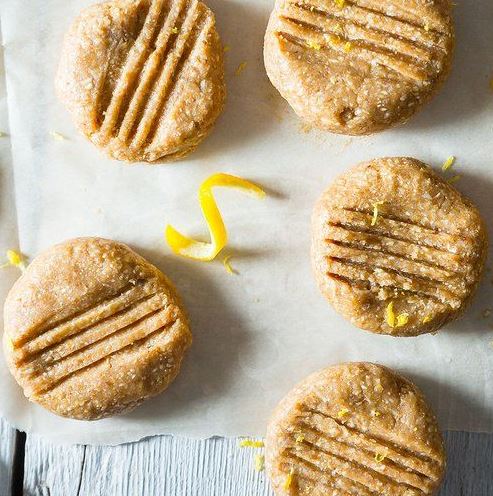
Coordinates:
[380,457]
[313,45]
[379,388]
[395,321]
[342,412]
[251,443]
[448,163]
[259,462]
[227,265]
[375,413]
[240,68]
[300,438]
[289,479]
[203,251]
[390,315]
[340,3]
[374,219]
[348,46]
[427,318]
[454,179]
[174,30]
[58,136]
[14,259]
[402,319]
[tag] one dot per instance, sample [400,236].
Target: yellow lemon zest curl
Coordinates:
[259,462]
[448,163]
[300,438]
[342,412]
[340,3]
[374,219]
[393,320]
[15,259]
[200,250]
[289,480]
[251,443]
[313,44]
[380,457]
[227,265]
[427,318]
[348,46]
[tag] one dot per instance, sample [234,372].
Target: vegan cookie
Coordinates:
[358,66]
[396,249]
[355,428]
[91,329]
[143,79]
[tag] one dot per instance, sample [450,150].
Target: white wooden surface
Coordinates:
[165,466]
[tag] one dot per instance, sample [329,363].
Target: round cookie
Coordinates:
[354,428]
[143,79]
[92,329]
[358,66]
[395,248]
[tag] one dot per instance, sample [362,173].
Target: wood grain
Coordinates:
[7,440]
[168,466]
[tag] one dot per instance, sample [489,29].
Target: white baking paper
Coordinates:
[258,332]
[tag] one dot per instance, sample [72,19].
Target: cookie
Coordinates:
[358,66]
[92,329]
[143,79]
[396,249]
[354,429]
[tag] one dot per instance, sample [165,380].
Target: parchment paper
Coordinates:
[259,332]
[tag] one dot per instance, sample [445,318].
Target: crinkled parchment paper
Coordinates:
[258,332]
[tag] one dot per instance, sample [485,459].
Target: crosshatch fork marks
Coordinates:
[418,452]
[131,69]
[402,46]
[153,67]
[365,458]
[324,461]
[49,333]
[109,345]
[174,71]
[400,65]
[137,311]
[325,23]
[310,477]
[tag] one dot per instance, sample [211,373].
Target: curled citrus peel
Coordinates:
[200,250]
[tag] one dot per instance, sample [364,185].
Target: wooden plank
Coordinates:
[50,469]
[7,441]
[167,466]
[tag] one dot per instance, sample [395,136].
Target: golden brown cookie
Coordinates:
[396,249]
[354,429]
[358,66]
[92,329]
[143,79]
